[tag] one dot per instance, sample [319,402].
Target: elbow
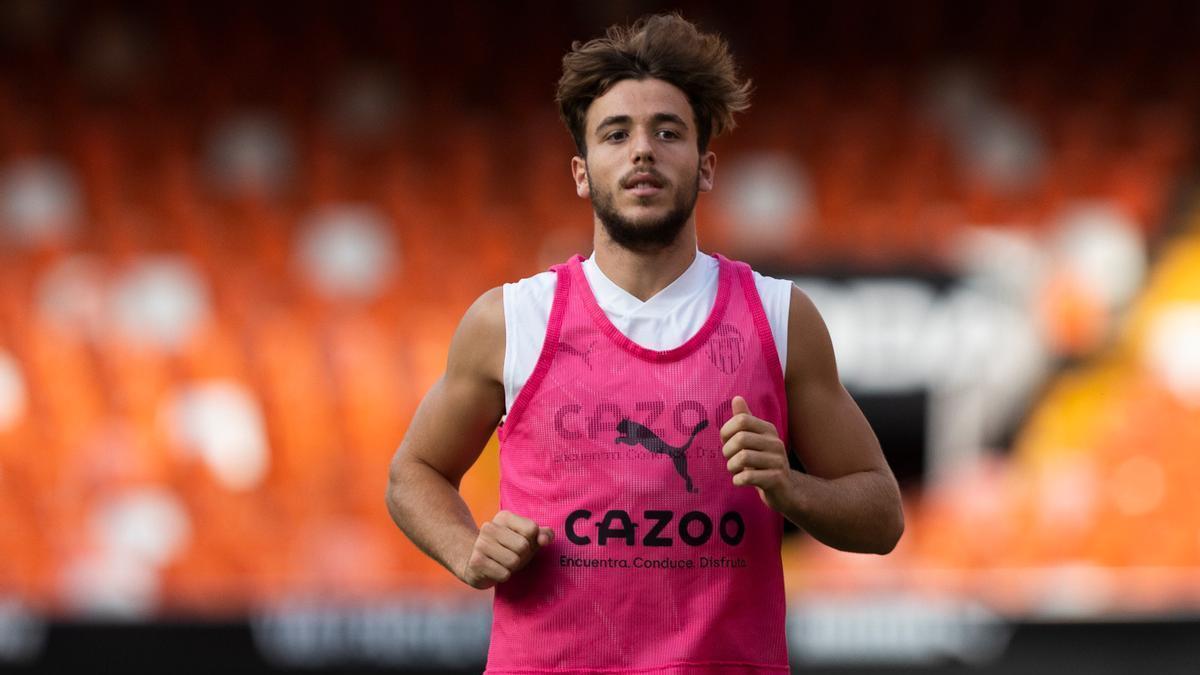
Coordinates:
[891,517]
[395,493]
[392,497]
[406,479]
[892,530]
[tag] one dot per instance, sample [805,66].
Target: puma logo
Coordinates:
[568,348]
[633,433]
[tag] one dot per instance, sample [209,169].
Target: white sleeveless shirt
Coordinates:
[663,322]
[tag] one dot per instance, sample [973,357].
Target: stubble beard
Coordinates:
[646,236]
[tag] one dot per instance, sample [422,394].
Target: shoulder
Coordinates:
[771,290]
[486,313]
[481,341]
[800,308]
[477,348]
[530,291]
[527,306]
[771,287]
[808,340]
[804,313]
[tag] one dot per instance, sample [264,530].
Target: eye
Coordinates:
[616,136]
[668,134]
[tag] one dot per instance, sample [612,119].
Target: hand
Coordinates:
[504,545]
[757,456]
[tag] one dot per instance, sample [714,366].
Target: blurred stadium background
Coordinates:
[235,239]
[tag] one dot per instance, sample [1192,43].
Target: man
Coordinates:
[645,406]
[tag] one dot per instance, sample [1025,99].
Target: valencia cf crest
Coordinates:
[726,348]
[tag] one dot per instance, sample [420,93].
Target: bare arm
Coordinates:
[447,434]
[849,498]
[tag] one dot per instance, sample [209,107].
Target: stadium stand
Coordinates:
[221,136]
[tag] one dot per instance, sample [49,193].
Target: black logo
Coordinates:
[618,525]
[633,433]
[568,348]
[727,348]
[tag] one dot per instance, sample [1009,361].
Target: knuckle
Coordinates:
[477,574]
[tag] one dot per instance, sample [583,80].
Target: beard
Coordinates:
[646,236]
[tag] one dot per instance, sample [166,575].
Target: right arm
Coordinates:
[448,432]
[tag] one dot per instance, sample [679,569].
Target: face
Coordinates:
[643,169]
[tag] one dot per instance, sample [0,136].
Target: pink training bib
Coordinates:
[659,563]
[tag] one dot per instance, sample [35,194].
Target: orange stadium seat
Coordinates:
[140,382]
[214,352]
[288,362]
[373,400]
[66,390]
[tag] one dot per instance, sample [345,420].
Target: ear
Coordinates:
[708,170]
[579,173]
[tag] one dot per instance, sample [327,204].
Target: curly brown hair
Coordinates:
[665,47]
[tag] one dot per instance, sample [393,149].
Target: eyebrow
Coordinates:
[626,119]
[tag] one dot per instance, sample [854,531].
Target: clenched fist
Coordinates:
[757,456]
[505,544]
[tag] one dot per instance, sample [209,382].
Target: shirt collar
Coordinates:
[618,301]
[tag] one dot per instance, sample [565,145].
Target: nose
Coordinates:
[642,150]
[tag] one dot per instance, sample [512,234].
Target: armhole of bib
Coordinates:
[767,340]
[562,286]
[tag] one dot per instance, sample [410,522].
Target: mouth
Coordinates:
[643,185]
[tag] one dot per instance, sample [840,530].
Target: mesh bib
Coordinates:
[659,563]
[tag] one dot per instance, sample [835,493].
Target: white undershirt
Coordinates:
[663,322]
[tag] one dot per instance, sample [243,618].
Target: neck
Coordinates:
[642,274]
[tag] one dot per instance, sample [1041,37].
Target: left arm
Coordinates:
[849,498]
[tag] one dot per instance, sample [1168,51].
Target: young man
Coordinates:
[647,397]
